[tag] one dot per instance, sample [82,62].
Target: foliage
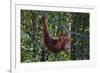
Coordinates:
[80,24]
